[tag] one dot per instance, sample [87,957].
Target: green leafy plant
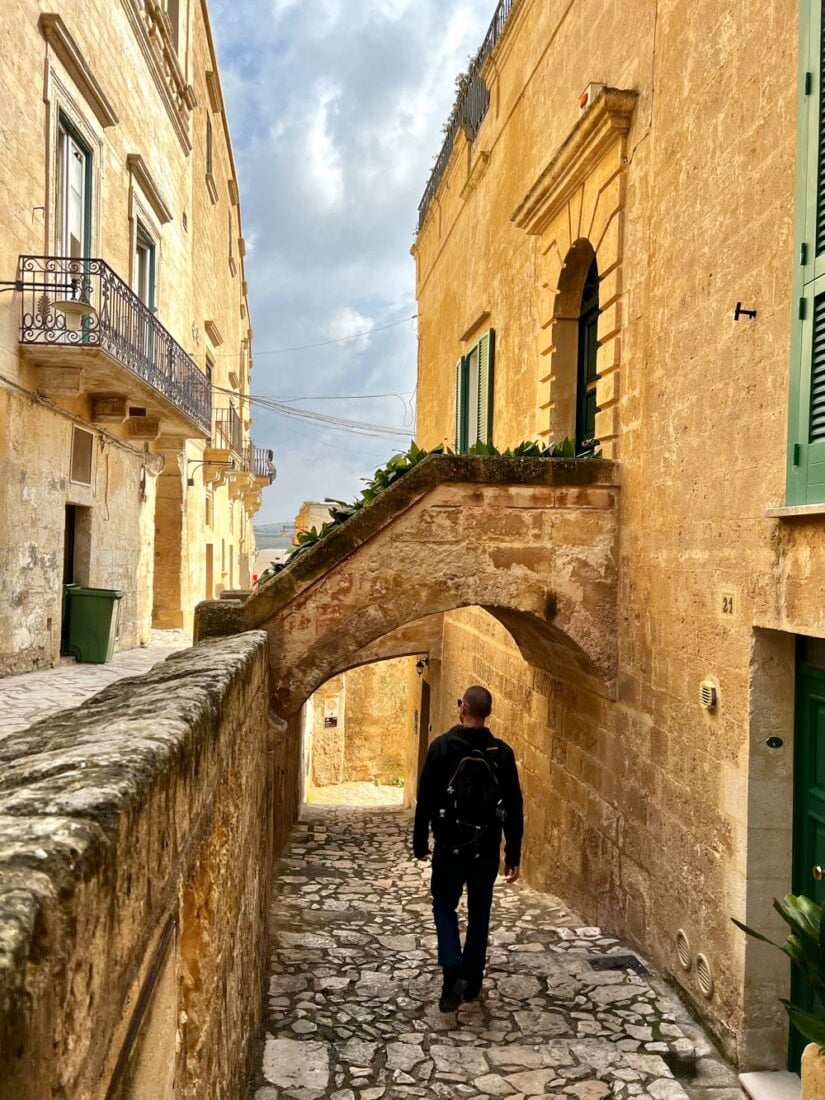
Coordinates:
[399,465]
[805,947]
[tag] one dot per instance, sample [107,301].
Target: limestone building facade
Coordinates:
[125,337]
[620,244]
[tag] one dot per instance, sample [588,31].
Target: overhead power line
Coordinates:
[323,343]
[325,420]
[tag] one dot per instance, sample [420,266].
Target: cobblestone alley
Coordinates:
[351,1011]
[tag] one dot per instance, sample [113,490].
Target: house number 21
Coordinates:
[727,604]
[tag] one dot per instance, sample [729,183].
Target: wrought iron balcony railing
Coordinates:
[228,433]
[472,102]
[259,462]
[120,324]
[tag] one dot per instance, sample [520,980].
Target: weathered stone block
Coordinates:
[152,807]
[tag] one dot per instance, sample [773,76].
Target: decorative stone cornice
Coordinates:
[602,124]
[151,27]
[56,33]
[214,333]
[137,166]
[214,90]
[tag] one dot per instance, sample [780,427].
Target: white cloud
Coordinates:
[336,111]
[323,158]
[280,8]
[346,322]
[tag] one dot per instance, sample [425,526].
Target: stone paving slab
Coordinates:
[351,1008]
[27,698]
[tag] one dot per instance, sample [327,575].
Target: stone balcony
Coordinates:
[89,335]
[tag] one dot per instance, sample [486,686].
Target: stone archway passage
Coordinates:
[533,541]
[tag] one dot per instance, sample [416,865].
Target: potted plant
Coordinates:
[805,947]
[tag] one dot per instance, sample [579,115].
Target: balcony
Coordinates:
[228,433]
[470,107]
[119,354]
[260,465]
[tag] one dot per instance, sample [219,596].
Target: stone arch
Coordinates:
[534,542]
[541,644]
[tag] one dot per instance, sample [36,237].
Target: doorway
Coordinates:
[77,553]
[210,572]
[809,806]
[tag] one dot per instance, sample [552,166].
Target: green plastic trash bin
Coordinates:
[92,615]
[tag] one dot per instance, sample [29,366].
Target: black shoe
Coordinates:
[472,992]
[452,994]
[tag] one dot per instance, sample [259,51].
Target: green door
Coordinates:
[809,816]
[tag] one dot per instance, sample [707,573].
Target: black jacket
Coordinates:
[442,759]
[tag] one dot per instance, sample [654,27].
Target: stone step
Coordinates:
[771,1085]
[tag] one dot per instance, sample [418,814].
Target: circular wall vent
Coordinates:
[704,975]
[683,951]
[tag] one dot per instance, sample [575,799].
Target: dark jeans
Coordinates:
[450,875]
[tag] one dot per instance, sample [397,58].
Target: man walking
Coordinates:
[468,794]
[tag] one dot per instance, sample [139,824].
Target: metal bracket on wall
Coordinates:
[740,312]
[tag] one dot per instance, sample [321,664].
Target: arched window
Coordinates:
[586,369]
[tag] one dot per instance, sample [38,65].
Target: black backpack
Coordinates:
[472,802]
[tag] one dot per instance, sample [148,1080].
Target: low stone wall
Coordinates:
[137,836]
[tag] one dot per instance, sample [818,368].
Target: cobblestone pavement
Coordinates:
[31,696]
[356,794]
[351,1011]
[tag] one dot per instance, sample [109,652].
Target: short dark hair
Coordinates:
[478,701]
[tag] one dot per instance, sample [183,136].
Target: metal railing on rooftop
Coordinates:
[470,107]
[120,323]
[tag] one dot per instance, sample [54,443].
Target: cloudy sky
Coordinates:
[336,109]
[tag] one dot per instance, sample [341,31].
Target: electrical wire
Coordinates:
[323,343]
[333,423]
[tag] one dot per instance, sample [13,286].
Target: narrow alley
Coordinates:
[351,1011]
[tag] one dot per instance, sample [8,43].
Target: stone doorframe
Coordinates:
[576,208]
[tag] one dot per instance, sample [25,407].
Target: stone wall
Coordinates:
[658,814]
[379,720]
[136,842]
[114,539]
[376,705]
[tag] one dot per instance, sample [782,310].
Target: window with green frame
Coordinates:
[806,412]
[74,190]
[474,394]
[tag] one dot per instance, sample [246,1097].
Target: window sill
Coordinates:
[796,511]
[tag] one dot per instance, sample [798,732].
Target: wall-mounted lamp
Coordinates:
[421,664]
[74,306]
[190,481]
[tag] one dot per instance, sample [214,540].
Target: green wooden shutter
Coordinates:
[484,410]
[816,416]
[806,413]
[461,406]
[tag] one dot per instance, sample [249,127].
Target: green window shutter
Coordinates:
[484,410]
[816,417]
[806,413]
[461,406]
